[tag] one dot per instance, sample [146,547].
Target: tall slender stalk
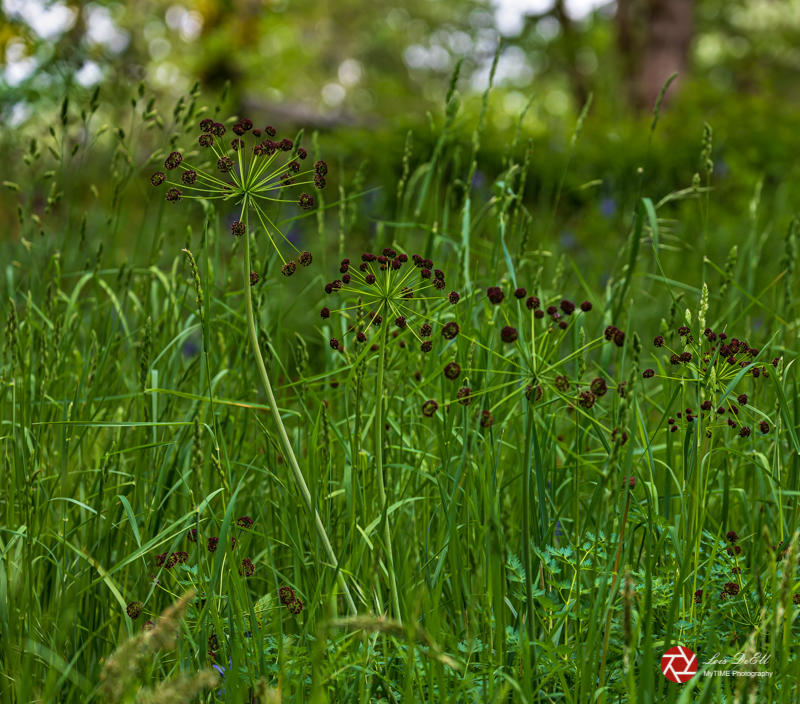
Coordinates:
[379,436]
[285,443]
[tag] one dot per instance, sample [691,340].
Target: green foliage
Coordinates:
[542,536]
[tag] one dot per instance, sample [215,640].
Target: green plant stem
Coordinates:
[379,435]
[285,443]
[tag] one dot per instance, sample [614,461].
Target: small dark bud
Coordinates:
[172,161]
[305,258]
[158,178]
[520,293]
[495,294]
[173,195]
[452,370]
[288,269]
[189,177]
[508,334]
[567,306]
[429,408]
[450,330]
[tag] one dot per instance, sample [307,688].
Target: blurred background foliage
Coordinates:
[363,74]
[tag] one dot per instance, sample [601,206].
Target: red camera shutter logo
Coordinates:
[679,664]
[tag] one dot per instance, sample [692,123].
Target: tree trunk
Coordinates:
[666,48]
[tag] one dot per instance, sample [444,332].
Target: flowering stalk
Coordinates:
[254,172]
[387,282]
[285,442]
[379,439]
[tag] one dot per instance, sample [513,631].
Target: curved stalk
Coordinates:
[285,443]
[379,436]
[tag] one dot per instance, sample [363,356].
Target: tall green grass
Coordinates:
[528,567]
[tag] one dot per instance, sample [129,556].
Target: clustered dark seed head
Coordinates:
[425,330]
[613,333]
[244,521]
[237,144]
[495,294]
[248,569]
[206,124]
[305,258]
[567,306]
[658,341]
[237,228]
[586,399]
[698,596]
[173,160]
[189,177]
[648,373]
[158,178]
[487,420]
[225,164]
[464,395]
[452,370]
[426,346]
[213,542]
[744,432]
[306,201]
[173,195]
[429,408]
[561,383]
[254,278]
[454,297]
[731,588]
[288,269]
[450,330]
[334,343]
[295,607]
[731,536]
[598,386]
[325,313]
[520,293]
[400,321]
[586,306]
[764,427]
[205,140]
[301,153]
[508,334]
[134,610]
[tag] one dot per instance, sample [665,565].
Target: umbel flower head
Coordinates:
[253,170]
[391,289]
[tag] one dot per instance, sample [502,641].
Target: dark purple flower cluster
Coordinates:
[290,600]
[381,279]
